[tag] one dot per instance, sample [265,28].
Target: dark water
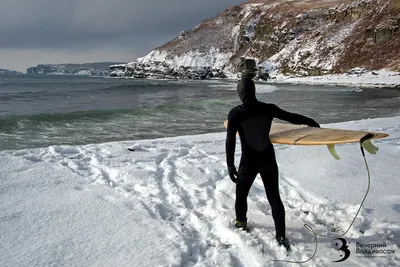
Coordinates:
[38,111]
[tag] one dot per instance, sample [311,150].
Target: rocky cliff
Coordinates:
[300,37]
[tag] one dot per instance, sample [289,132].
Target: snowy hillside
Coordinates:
[169,202]
[302,37]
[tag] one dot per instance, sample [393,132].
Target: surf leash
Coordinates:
[364,141]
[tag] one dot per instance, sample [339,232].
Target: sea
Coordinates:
[43,110]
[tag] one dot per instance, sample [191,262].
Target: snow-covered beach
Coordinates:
[358,77]
[170,203]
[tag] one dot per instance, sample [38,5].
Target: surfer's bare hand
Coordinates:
[233,174]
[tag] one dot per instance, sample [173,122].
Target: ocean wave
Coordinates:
[260,88]
[265,88]
[84,127]
[28,96]
[358,90]
[63,117]
[19,91]
[127,87]
[384,102]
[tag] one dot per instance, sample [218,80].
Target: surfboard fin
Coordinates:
[332,150]
[367,145]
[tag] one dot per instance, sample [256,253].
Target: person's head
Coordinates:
[249,68]
[246,90]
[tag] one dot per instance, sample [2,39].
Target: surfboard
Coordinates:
[290,134]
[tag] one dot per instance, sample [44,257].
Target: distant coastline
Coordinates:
[86,69]
[6,71]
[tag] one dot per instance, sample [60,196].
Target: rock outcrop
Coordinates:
[294,37]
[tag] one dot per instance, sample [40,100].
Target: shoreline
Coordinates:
[355,78]
[189,136]
[358,78]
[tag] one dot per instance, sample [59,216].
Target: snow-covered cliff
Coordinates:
[301,37]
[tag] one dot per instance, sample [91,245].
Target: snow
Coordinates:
[117,70]
[248,9]
[117,66]
[169,202]
[380,78]
[250,28]
[117,73]
[194,59]
[308,55]
[235,37]
[87,72]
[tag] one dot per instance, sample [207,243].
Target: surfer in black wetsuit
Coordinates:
[253,121]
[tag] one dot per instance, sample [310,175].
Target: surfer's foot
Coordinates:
[284,242]
[241,225]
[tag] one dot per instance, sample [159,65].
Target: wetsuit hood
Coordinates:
[246,90]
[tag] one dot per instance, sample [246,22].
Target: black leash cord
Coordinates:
[309,228]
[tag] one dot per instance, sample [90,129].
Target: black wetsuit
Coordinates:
[253,121]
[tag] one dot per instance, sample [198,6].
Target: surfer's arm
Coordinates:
[293,117]
[230,143]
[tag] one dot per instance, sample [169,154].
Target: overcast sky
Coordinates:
[78,31]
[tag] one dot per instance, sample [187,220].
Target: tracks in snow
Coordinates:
[185,184]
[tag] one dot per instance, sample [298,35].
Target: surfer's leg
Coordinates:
[245,181]
[270,178]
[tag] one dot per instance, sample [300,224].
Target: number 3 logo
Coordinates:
[343,248]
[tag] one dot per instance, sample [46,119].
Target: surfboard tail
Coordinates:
[367,145]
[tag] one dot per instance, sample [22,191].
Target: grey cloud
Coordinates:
[55,31]
[84,23]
